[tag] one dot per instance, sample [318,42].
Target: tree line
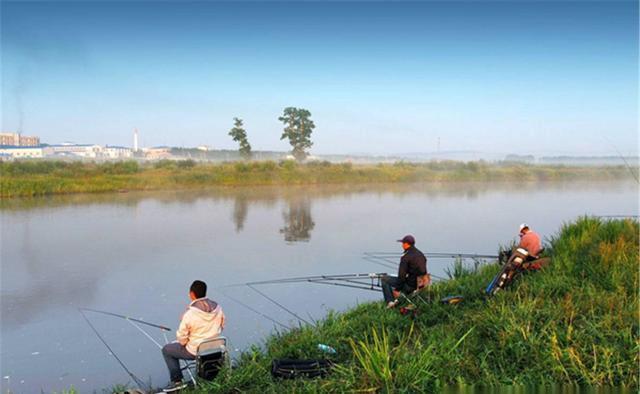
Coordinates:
[298,127]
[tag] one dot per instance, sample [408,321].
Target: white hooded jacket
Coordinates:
[202,320]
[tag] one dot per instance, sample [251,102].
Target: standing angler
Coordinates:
[411,273]
[202,320]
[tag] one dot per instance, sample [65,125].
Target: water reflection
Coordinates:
[298,222]
[240,210]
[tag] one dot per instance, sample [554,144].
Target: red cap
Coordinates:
[408,239]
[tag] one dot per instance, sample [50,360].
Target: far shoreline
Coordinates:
[46,178]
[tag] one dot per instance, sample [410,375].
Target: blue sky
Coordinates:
[539,77]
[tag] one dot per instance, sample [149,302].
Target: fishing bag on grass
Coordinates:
[291,369]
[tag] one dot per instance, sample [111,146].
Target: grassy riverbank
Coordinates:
[39,178]
[574,323]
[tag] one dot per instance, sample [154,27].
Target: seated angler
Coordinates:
[202,320]
[530,241]
[412,273]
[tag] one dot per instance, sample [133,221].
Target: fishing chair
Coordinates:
[424,282]
[211,356]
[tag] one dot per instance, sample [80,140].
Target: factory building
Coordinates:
[17,139]
[21,152]
[88,151]
[157,153]
[116,152]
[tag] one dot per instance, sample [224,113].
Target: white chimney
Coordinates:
[135,140]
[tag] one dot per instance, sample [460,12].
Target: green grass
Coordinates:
[576,323]
[39,178]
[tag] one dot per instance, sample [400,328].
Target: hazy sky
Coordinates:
[538,77]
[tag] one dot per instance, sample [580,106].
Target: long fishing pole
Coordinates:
[383,263]
[434,255]
[355,281]
[133,322]
[138,381]
[313,277]
[389,264]
[363,287]
[146,334]
[164,328]
[278,304]
[252,309]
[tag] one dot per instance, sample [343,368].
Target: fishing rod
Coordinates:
[389,264]
[347,285]
[372,276]
[163,328]
[136,379]
[278,304]
[389,259]
[133,322]
[435,255]
[384,263]
[353,283]
[252,309]
[344,280]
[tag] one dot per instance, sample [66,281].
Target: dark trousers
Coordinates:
[173,353]
[389,283]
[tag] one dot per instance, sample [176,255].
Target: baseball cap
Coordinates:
[408,239]
[523,226]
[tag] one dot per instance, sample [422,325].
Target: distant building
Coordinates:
[203,148]
[88,151]
[21,152]
[116,152]
[157,153]
[17,139]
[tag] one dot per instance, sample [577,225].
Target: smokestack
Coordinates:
[135,139]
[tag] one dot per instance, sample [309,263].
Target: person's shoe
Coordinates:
[175,386]
[392,304]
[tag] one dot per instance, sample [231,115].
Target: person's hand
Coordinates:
[396,293]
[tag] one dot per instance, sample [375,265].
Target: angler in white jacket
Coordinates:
[202,320]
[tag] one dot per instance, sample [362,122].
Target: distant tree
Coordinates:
[239,135]
[297,128]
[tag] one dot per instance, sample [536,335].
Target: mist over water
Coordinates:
[137,253]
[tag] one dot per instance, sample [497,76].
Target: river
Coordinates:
[137,254]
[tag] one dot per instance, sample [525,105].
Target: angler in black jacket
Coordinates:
[413,265]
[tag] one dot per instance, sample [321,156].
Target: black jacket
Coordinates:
[412,265]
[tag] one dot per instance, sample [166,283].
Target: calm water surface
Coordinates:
[137,253]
